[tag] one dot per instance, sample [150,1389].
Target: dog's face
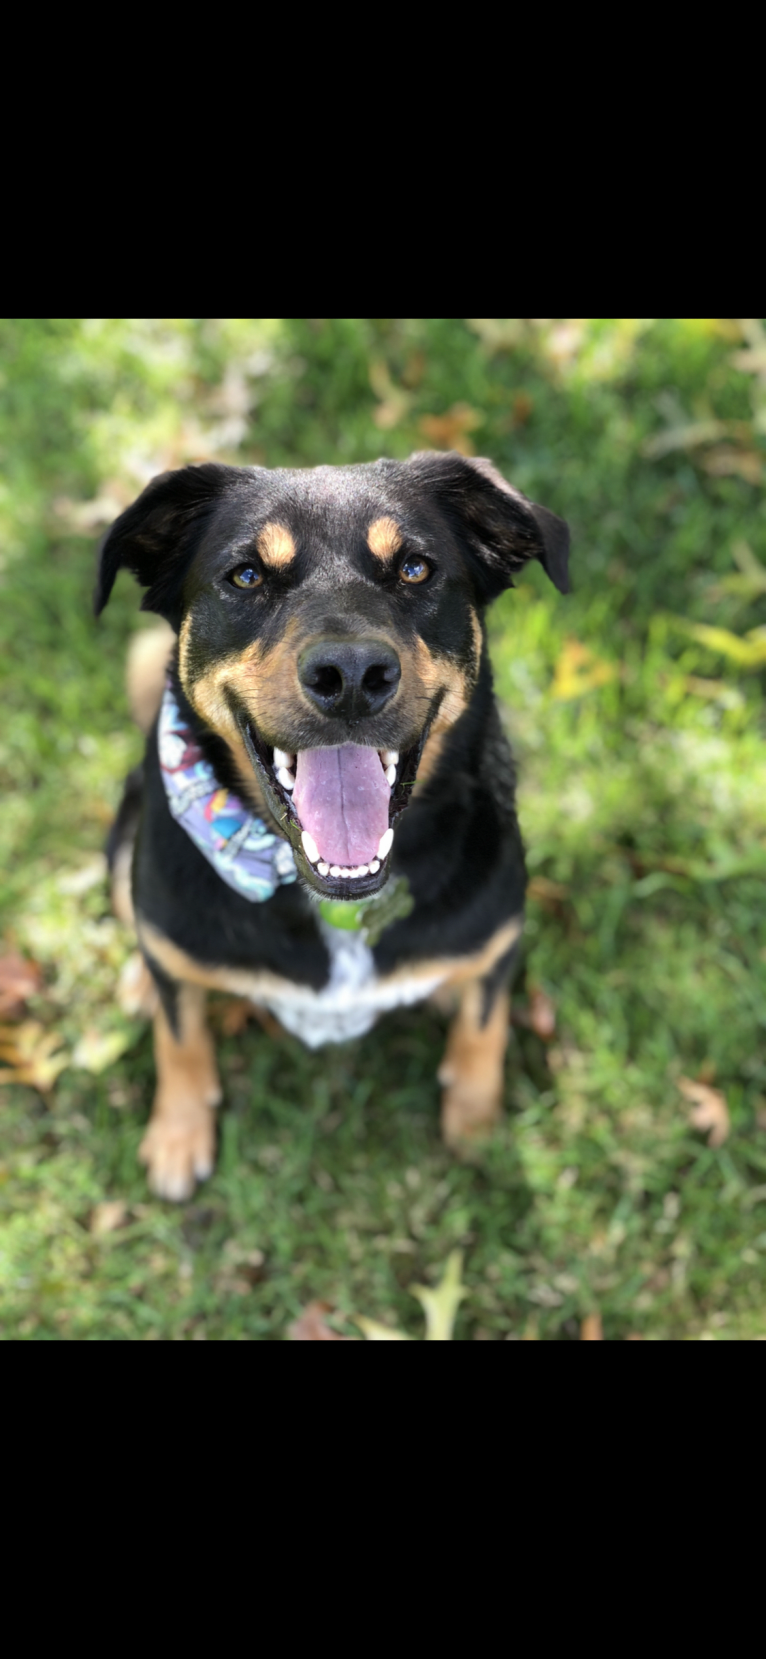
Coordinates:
[329,626]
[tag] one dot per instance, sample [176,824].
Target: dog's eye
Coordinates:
[246,577]
[414,570]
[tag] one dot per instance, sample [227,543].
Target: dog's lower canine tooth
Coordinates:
[386,843]
[389,757]
[285,778]
[324,869]
[310,847]
[374,866]
[391,775]
[282,758]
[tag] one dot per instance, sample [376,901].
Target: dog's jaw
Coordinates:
[276,770]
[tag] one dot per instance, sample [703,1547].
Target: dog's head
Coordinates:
[329,625]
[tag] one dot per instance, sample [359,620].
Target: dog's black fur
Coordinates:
[457,839]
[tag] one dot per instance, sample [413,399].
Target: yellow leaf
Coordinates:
[33,1054]
[440,1305]
[579,670]
[108,1216]
[747,652]
[375,1332]
[97,1050]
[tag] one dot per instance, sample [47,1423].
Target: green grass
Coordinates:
[641,797]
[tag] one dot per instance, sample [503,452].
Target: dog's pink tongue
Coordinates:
[341,797]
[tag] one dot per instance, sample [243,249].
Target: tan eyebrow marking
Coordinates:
[384,538]
[275,544]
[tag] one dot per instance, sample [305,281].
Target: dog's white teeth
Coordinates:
[389,757]
[391,775]
[386,843]
[285,778]
[363,870]
[344,873]
[335,870]
[324,869]
[374,866]
[282,758]
[310,847]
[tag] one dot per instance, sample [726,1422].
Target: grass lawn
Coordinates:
[615,1187]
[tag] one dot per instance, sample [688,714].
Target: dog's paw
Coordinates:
[177,1155]
[469,1113]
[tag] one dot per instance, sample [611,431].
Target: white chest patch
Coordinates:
[353,998]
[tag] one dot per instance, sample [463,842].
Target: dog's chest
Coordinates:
[352,1000]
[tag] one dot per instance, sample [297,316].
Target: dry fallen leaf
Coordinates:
[539,1015]
[450,431]
[550,894]
[107,1217]
[19,979]
[590,1328]
[33,1054]
[440,1305]
[97,1050]
[709,1109]
[311,1325]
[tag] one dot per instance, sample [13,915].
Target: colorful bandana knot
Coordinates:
[242,851]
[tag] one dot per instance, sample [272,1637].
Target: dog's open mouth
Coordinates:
[338,807]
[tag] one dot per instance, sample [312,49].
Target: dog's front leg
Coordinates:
[472,1069]
[179,1145]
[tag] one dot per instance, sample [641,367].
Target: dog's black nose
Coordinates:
[349,679]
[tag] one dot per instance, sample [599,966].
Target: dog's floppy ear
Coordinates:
[504,529]
[155,538]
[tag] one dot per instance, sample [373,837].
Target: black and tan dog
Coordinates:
[331,672]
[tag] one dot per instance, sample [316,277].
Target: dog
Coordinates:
[325,819]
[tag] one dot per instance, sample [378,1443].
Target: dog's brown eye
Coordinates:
[414,570]
[246,577]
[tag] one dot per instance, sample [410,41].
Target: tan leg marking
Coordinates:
[148,655]
[179,1145]
[472,1069]
[122,897]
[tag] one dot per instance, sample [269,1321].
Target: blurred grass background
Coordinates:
[636,711]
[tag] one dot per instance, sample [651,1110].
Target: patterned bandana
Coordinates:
[242,851]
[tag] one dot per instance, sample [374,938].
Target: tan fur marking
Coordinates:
[384,538]
[276,546]
[179,1145]
[472,1069]
[206,696]
[258,985]
[122,897]
[440,675]
[145,670]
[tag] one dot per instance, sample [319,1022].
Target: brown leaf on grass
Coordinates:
[591,1329]
[33,1055]
[727,462]
[19,979]
[539,1015]
[709,1109]
[450,431]
[550,894]
[311,1325]
[108,1216]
